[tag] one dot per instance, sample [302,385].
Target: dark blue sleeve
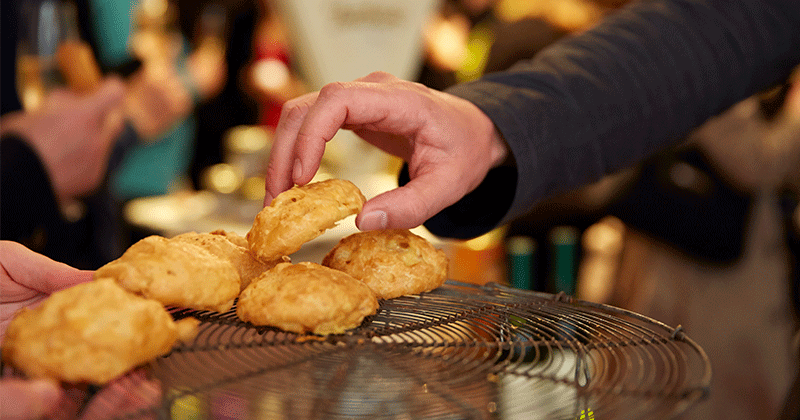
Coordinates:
[597,102]
[29,212]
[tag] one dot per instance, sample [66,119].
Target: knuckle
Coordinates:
[294,112]
[380,76]
[331,90]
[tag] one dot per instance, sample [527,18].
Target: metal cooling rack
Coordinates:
[458,352]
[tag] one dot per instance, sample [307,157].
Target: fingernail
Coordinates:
[375,220]
[297,171]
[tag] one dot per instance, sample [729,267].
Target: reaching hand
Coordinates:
[73,135]
[449,144]
[156,99]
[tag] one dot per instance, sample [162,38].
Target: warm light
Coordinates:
[270,74]
[604,236]
[485,241]
[572,15]
[154,8]
[603,243]
[222,178]
[447,40]
[247,139]
[253,188]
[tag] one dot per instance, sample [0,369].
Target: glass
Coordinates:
[40,35]
[51,53]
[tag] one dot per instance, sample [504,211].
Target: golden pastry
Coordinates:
[391,262]
[301,214]
[177,273]
[232,236]
[306,297]
[92,332]
[223,245]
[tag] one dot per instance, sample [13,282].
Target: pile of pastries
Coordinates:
[97,331]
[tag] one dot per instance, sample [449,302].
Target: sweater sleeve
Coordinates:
[597,102]
[28,202]
[29,212]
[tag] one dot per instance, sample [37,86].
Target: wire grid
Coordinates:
[458,352]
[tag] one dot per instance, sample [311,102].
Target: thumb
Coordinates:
[21,399]
[38,272]
[411,205]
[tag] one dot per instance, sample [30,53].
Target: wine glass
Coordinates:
[40,35]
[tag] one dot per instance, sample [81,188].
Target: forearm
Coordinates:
[598,102]
[26,191]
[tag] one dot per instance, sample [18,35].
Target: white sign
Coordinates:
[341,40]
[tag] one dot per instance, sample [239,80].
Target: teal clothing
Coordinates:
[151,168]
[112,22]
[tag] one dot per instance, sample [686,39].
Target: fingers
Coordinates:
[311,120]
[129,394]
[390,108]
[31,271]
[282,155]
[28,399]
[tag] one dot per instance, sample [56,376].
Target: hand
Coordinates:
[23,399]
[73,135]
[156,99]
[449,144]
[132,393]
[26,279]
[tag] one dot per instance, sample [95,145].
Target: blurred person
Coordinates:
[52,158]
[158,100]
[234,104]
[26,279]
[55,160]
[166,78]
[261,76]
[271,77]
[68,132]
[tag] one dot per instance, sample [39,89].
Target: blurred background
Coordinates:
[705,235]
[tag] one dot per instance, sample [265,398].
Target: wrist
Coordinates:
[499,150]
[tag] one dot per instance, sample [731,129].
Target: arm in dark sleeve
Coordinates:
[29,212]
[27,198]
[597,102]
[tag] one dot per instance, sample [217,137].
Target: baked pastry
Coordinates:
[231,236]
[223,245]
[306,297]
[176,273]
[92,332]
[391,262]
[301,214]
